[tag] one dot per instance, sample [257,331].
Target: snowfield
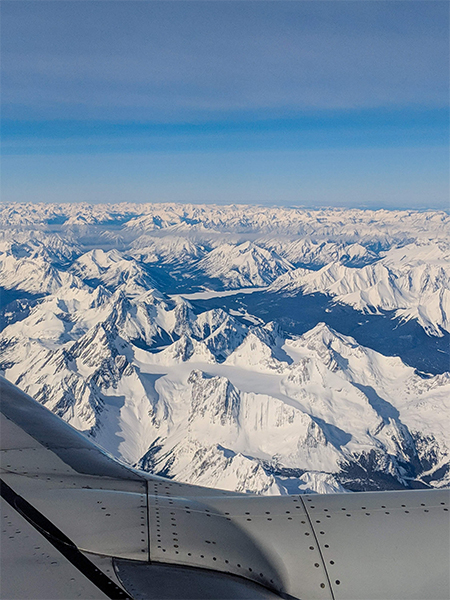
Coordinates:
[99,323]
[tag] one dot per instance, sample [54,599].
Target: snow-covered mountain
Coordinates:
[274,411]
[243,265]
[216,396]
[112,270]
[305,252]
[382,227]
[188,245]
[171,249]
[413,280]
[33,273]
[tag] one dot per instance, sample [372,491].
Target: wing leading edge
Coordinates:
[80,524]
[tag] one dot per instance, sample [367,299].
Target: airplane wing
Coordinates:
[76,523]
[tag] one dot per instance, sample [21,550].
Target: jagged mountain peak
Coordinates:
[51,246]
[270,333]
[113,270]
[342,353]
[95,262]
[255,353]
[308,252]
[152,297]
[99,297]
[183,350]
[400,282]
[214,465]
[171,249]
[211,319]
[326,334]
[96,343]
[34,274]
[214,400]
[243,265]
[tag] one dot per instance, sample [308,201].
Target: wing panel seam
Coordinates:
[318,547]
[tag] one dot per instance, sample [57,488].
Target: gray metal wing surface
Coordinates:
[78,524]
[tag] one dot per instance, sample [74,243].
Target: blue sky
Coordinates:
[300,103]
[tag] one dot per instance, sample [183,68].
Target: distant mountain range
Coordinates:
[97,324]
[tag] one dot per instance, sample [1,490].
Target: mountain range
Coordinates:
[100,322]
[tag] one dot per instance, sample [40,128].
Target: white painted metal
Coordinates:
[191,536]
[31,568]
[98,521]
[264,539]
[14,437]
[378,545]
[385,544]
